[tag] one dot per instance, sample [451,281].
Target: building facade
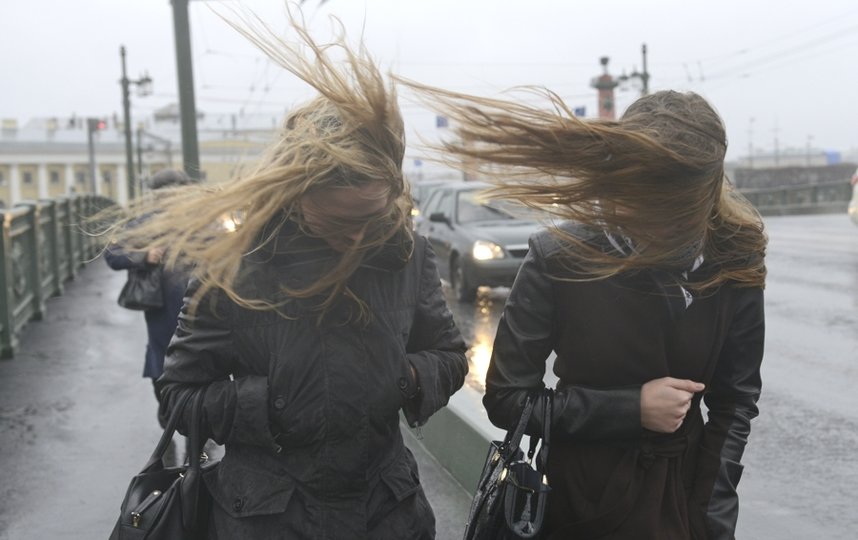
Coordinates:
[49,158]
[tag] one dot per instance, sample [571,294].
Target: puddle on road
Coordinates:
[478,322]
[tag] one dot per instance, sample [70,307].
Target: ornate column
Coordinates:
[14,184]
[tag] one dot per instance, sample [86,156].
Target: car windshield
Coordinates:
[421,191]
[473,207]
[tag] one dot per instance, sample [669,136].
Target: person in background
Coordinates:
[160,322]
[316,321]
[649,289]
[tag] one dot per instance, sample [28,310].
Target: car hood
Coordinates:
[504,233]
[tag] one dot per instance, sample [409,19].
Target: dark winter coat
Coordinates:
[610,477]
[161,322]
[309,412]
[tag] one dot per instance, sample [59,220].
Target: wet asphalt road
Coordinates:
[801,464]
[77,421]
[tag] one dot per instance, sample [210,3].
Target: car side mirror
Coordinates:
[439,217]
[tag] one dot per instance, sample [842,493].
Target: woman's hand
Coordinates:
[153,256]
[665,401]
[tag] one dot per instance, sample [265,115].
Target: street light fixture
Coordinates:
[643,76]
[144,88]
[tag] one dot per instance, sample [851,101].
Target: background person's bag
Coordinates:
[511,494]
[169,503]
[142,291]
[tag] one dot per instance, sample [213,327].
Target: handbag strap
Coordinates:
[547,418]
[196,441]
[513,437]
[157,457]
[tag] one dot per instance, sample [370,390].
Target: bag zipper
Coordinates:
[137,513]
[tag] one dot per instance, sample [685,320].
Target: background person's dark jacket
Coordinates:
[308,412]
[161,322]
[611,336]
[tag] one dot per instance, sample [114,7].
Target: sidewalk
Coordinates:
[77,420]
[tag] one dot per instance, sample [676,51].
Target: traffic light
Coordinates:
[96,124]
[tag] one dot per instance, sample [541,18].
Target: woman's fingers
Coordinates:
[666,401]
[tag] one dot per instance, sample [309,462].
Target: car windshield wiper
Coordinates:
[499,211]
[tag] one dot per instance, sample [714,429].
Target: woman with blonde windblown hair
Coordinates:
[649,288]
[316,321]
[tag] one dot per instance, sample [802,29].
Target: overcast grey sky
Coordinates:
[789,66]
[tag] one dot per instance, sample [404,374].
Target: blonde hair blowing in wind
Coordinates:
[656,176]
[350,134]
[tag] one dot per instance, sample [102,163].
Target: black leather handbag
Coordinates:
[143,290]
[169,503]
[512,493]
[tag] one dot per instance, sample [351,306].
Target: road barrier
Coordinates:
[823,198]
[44,244]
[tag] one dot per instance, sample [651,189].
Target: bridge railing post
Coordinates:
[33,249]
[65,247]
[7,307]
[49,256]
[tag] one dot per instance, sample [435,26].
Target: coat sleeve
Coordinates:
[525,338]
[202,354]
[731,398]
[435,349]
[119,259]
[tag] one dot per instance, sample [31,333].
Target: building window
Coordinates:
[106,176]
[2,180]
[81,177]
[55,177]
[28,178]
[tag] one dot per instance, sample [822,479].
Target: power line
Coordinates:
[779,55]
[791,35]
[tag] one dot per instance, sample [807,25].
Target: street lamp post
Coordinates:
[642,76]
[187,103]
[144,87]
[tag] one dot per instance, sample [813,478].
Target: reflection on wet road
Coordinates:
[478,323]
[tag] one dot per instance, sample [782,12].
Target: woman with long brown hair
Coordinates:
[316,321]
[649,288]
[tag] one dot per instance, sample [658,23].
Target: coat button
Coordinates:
[279,403]
[237,504]
[403,383]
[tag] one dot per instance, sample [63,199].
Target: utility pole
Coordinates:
[140,156]
[168,147]
[144,85]
[643,76]
[187,105]
[775,130]
[751,142]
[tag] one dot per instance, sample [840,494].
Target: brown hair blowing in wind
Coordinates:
[656,177]
[349,135]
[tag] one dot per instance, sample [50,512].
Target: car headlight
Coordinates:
[484,250]
[231,221]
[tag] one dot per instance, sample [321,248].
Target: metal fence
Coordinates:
[823,198]
[44,244]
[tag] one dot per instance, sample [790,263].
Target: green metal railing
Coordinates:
[805,199]
[44,243]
